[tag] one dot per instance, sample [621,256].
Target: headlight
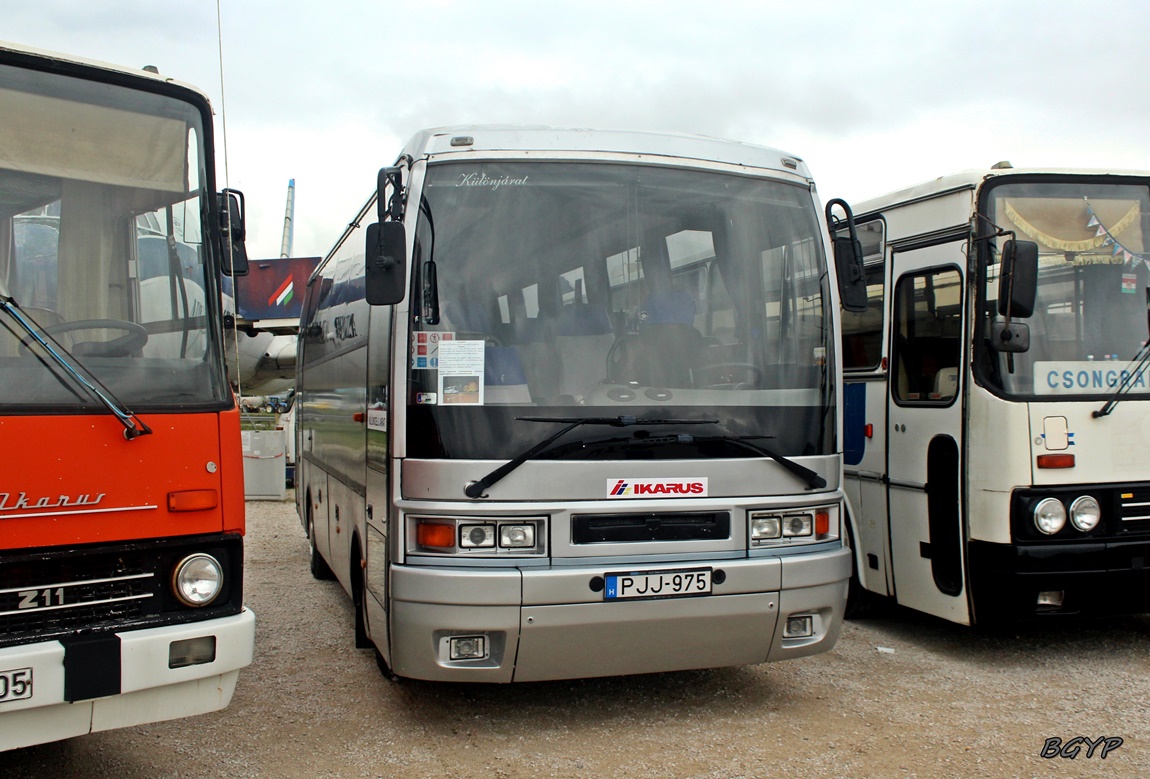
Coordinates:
[476,536]
[1085,513]
[516,536]
[798,525]
[198,579]
[1049,516]
[764,527]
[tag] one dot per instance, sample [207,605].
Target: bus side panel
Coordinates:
[232,462]
[1000,433]
[868,496]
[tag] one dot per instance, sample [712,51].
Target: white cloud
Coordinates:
[873,96]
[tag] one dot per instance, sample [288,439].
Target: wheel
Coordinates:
[319,567]
[359,598]
[728,375]
[124,346]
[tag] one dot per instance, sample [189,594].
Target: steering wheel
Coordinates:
[726,375]
[123,346]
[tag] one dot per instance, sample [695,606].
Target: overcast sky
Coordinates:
[874,96]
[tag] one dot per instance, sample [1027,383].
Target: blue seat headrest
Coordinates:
[673,306]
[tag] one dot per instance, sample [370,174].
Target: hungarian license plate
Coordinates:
[15,684]
[657,584]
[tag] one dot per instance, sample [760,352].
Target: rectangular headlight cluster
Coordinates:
[475,536]
[787,527]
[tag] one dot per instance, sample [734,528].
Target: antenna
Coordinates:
[289,215]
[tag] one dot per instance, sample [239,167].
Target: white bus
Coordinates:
[592,426]
[997,433]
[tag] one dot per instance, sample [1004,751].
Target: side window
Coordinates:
[862,330]
[927,336]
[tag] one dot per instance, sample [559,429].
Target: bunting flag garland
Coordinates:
[1117,249]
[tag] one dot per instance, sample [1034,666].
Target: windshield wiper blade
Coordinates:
[476,488]
[1129,376]
[812,478]
[134,427]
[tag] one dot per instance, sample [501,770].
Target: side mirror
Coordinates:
[1010,337]
[848,259]
[1018,280]
[232,232]
[385,263]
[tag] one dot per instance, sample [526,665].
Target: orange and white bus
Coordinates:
[121,491]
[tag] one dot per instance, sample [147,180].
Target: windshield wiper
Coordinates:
[134,427]
[1128,378]
[813,479]
[1139,363]
[476,488]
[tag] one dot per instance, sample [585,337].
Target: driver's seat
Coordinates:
[667,347]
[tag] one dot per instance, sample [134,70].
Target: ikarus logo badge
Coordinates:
[695,487]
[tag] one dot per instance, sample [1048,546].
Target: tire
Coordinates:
[359,598]
[319,567]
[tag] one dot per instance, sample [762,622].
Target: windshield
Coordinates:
[102,247]
[593,289]
[1090,317]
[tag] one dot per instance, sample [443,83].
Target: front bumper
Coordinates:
[1094,578]
[148,691]
[552,624]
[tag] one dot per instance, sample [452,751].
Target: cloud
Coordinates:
[873,96]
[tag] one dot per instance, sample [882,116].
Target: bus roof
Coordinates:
[20,55]
[973,179]
[505,138]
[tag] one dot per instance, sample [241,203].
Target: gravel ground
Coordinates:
[900,696]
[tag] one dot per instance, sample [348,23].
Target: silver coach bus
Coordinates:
[576,409]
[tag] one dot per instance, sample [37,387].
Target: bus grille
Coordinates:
[57,592]
[1134,511]
[61,596]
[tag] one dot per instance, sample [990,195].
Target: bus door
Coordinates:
[375,553]
[925,431]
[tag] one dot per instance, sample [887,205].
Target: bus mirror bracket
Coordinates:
[386,254]
[384,274]
[233,231]
[848,257]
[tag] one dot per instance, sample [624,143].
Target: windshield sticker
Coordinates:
[425,349]
[1077,377]
[670,488]
[483,180]
[461,373]
[425,398]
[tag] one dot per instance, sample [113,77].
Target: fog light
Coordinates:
[467,647]
[798,525]
[1051,598]
[198,579]
[799,627]
[191,651]
[517,536]
[764,527]
[476,536]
